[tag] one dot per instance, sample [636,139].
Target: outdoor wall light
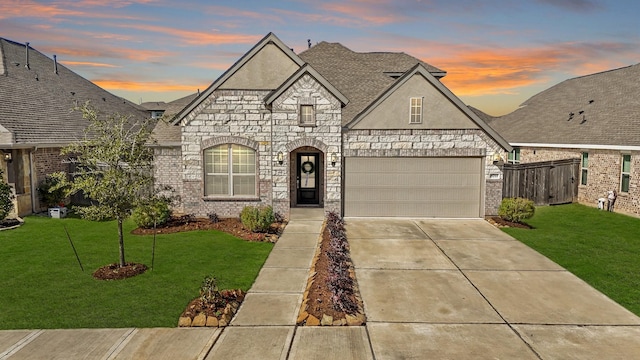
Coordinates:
[497,158]
[7,157]
[334,159]
[280,157]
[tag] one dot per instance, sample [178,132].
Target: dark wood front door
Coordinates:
[307,179]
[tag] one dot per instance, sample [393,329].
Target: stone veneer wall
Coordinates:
[431,143]
[241,116]
[325,136]
[47,161]
[604,172]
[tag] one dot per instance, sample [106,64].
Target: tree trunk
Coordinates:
[121,241]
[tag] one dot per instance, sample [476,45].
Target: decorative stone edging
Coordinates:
[202,320]
[306,319]
[21,222]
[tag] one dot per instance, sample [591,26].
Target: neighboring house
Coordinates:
[595,118]
[36,119]
[362,134]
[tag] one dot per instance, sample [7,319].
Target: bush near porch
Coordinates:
[43,287]
[600,247]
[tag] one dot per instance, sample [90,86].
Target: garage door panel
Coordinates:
[413,187]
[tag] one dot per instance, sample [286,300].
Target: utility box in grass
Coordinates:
[58,212]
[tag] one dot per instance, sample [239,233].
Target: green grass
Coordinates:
[600,247]
[42,286]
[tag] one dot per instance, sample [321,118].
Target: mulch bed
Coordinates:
[202,313]
[116,272]
[231,226]
[318,302]
[500,222]
[7,223]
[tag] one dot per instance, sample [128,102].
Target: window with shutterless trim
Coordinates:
[415,110]
[625,173]
[584,168]
[514,156]
[230,170]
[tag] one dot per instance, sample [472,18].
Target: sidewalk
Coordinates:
[431,289]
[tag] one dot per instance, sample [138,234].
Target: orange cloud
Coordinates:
[195,37]
[27,8]
[369,12]
[88,63]
[110,52]
[146,86]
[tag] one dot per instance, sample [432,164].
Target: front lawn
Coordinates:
[600,247]
[42,286]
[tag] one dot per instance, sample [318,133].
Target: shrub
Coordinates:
[156,213]
[6,198]
[209,290]
[341,284]
[213,217]
[257,219]
[51,191]
[516,209]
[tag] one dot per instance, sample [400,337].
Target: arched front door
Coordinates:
[308,179]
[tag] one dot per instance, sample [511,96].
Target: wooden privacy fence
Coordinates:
[546,183]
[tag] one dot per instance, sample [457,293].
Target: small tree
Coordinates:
[113,167]
[6,198]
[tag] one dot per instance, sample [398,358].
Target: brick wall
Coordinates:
[168,171]
[604,171]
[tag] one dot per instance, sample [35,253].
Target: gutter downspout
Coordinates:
[32,180]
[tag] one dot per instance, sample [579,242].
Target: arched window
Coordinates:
[230,170]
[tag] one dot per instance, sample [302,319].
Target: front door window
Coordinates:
[307,179]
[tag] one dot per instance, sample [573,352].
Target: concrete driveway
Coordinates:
[460,289]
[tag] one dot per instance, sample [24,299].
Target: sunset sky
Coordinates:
[496,53]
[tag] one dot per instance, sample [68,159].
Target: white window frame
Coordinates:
[584,168]
[625,173]
[514,156]
[230,173]
[415,110]
[307,103]
[307,119]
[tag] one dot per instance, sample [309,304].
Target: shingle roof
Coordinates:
[361,77]
[36,103]
[165,133]
[482,115]
[596,109]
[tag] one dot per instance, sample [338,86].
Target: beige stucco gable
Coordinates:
[438,110]
[266,70]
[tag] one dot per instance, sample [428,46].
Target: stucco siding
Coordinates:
[267,70]
[438,110]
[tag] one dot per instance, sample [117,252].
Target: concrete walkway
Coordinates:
[454,289]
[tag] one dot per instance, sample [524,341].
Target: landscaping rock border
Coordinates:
[20,223]
[306,319]
[203,320]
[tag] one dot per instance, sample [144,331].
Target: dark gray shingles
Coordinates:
[612,118]
[361,77]
[36,103]
[165,133]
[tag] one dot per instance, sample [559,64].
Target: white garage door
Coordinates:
[413,187]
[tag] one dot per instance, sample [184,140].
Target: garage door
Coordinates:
[413,187]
